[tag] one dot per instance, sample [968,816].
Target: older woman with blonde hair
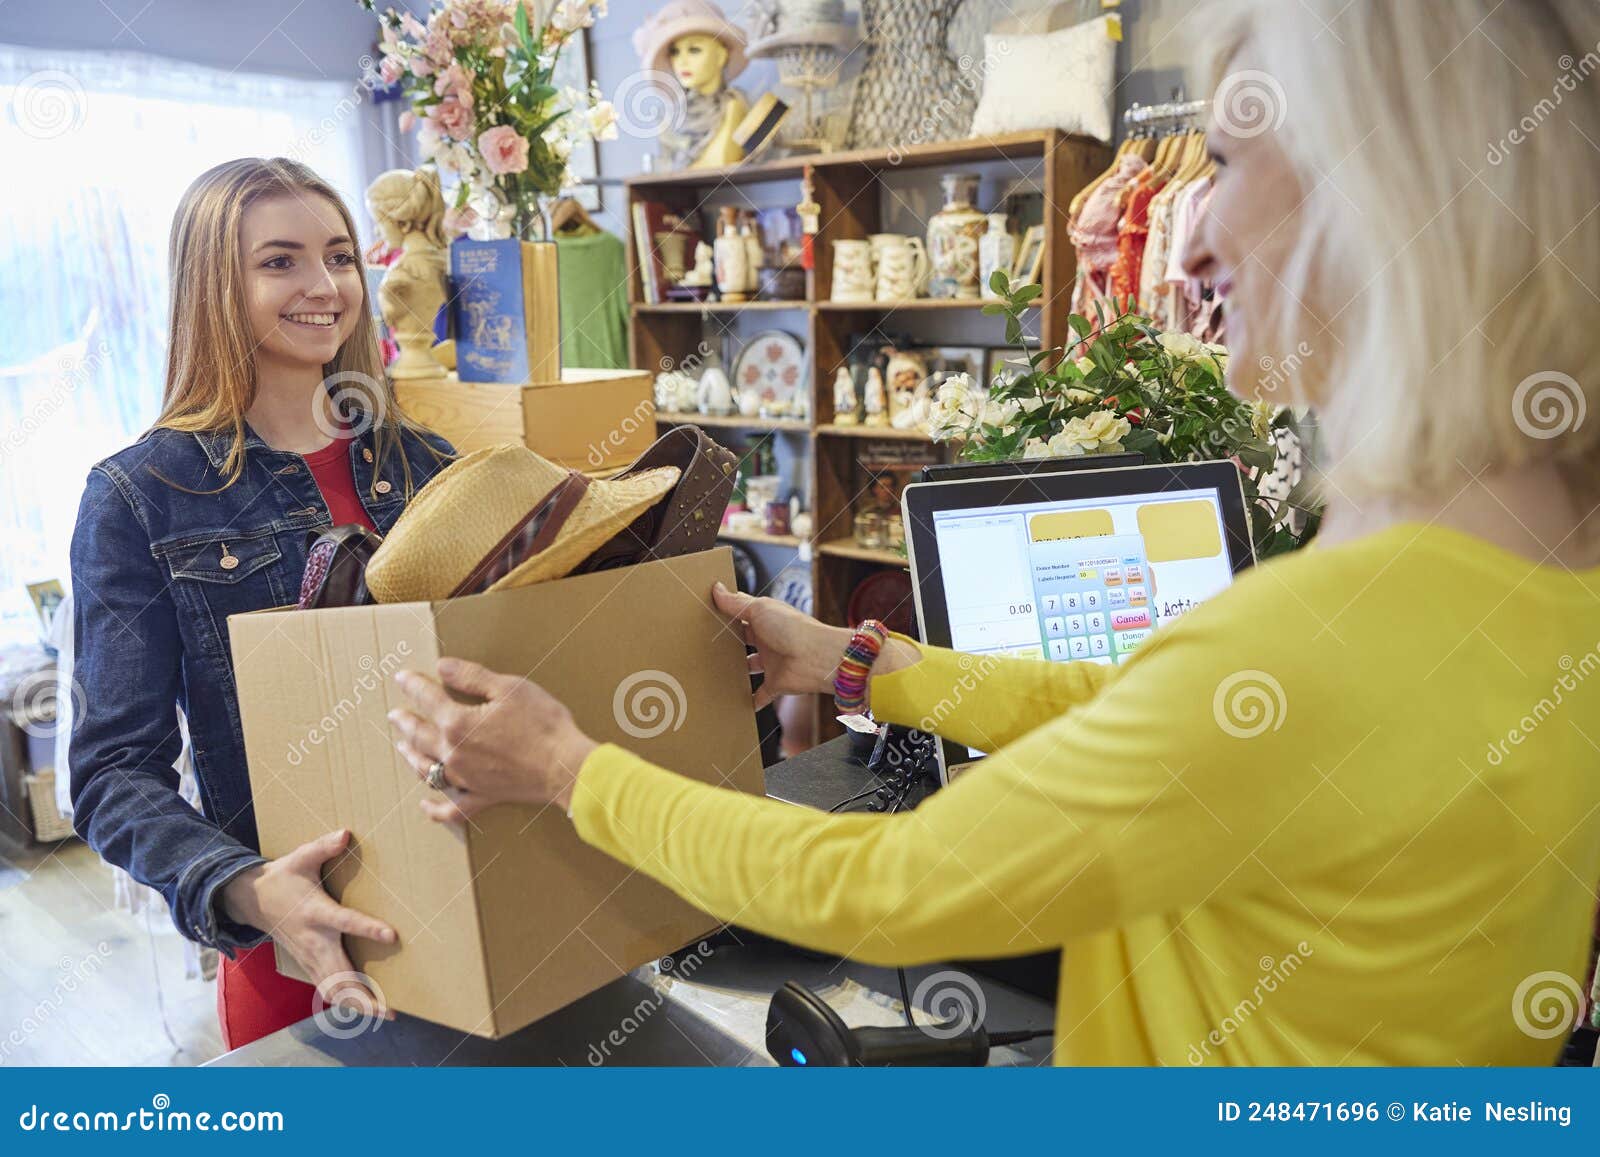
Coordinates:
[1406,198]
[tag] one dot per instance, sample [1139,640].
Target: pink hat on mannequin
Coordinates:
[654,37]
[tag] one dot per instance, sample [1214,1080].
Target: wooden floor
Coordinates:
[83,982]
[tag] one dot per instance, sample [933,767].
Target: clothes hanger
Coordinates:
[1075,205]
[1182,151]
[1203,165]
[1161,167]
[1200,164]
[569,217]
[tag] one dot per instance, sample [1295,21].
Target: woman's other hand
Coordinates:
[520,745]
[797,654]
[286,899]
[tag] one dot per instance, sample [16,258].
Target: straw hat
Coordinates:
[654,37]
[483,513]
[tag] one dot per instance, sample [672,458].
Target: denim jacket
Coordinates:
[152,591]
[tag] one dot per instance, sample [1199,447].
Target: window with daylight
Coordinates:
[83,242]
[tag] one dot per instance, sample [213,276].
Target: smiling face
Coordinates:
[697,60]
[1242,243]
[303,279]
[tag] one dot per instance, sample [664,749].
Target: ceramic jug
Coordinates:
[902,268]
[852,270]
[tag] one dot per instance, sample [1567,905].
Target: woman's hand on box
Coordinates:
[520,745]
[795,653]
[285,898]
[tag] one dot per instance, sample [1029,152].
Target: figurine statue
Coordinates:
[907,372]
[915,411]
[695,42]
[670,391]
[877,399]
[844,398]
[688,394]
[409,210]
[701,274]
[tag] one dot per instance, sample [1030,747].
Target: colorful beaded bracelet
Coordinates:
[850,680]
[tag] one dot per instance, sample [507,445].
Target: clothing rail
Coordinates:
[1172,110]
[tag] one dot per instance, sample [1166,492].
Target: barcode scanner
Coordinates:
[803,1031]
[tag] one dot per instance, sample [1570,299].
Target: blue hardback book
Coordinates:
[507,311]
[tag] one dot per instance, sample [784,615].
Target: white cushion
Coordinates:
[1080,63]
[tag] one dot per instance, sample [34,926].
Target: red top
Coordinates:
[253,1000]
[330,467]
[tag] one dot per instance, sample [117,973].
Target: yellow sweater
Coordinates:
[1345,812]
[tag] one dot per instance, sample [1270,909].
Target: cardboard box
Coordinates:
[591,420]
[515,917]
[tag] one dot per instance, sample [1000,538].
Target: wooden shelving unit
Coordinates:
[917,303]
[849,548]
[698,307]
[874,433]
[760,536]
[849,189]
[732,422]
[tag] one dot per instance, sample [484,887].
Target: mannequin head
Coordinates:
[697,61]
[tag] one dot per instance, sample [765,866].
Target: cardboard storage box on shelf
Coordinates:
[590,420]
[515,917]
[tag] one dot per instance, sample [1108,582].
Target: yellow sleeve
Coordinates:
[940,694]
[1149,799]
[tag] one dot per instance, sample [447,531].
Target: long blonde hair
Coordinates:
[1439,293]
[211,376]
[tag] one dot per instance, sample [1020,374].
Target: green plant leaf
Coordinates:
[1255,459]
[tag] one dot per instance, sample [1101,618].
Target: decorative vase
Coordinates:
[997,249]
[731,258]
[953,234]
[716,392]
[755,256]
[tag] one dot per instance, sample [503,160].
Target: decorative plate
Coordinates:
[773,364]
[885,596]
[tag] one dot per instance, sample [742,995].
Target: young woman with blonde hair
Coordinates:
[276,420]
[1378,758]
